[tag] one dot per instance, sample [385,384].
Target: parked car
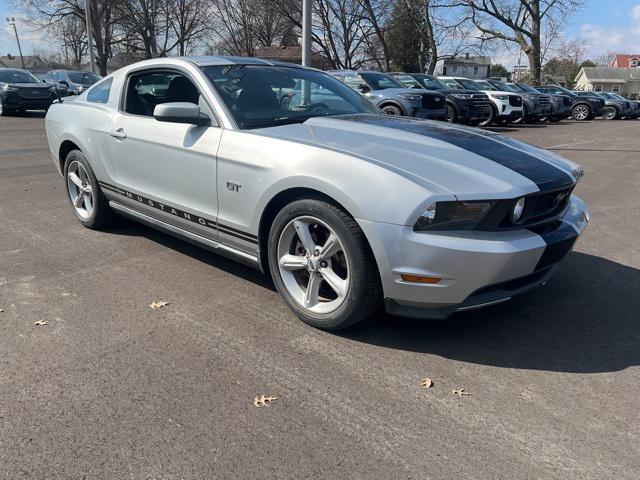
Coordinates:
[462,107]
[582,108]
[615,108]
[21,90]
[560,104]
[506,106]
[76,81]
[347,209]
[535,105]
[634,106]
[392,97]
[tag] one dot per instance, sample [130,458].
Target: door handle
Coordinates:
[119,134]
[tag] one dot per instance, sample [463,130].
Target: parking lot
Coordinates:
[111,389]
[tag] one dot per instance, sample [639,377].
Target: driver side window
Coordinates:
[148,89]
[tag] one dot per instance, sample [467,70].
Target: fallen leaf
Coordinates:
[41,322]
[460,392]
[426,383]
[158,304]
[262,400]
[1,310]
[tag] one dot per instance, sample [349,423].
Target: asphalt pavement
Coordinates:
[112,389]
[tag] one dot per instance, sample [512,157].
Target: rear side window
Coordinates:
[100,93]
[148,89]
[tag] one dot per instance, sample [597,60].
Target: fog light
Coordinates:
[518,210]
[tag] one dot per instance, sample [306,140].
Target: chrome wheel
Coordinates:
[610,113]
[80,190]
[313,265]
[391,110]
[581,112]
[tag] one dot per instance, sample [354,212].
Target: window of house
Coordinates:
[148,89]
[100,93]
[597,88]
[454,69]
[633,62]
[475,70]
[616,88]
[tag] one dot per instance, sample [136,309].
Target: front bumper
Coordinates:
[440,114]
[15,102]
[468,112]
[476,268]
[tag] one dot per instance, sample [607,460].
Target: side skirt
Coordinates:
[211,245]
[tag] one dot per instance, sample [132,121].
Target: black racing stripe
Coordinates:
[192,217]
[559,242]
[543,174]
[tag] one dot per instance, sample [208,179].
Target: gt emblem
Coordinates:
[234,187]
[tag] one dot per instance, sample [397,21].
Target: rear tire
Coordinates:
[90,205]
[322,265]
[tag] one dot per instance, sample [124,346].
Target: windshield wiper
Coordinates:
[274,122]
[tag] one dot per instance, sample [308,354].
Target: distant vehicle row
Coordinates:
[21,90]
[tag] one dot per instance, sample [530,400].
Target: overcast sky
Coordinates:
[604,25]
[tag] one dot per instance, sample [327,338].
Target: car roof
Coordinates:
[211,60]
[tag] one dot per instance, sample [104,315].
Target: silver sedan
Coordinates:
[290,171]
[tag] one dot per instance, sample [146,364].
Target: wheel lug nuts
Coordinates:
[323,264]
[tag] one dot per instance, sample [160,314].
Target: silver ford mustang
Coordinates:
[290,171]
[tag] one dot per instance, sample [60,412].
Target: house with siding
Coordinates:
[622,80]
[624,60]
[475,67]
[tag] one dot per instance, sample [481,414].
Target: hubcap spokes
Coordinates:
[80,190]
[313,264]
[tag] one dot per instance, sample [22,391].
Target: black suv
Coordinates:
[462,106]
[560,103]
[21,90]
[582,108]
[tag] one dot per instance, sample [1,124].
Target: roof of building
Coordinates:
[610,74]
[32,63]
[475,60]
[623,58]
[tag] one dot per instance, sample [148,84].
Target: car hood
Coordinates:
[468,162]
[397,91]
[500,92]
[27,85]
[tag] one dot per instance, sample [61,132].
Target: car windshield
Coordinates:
[470,84]
[381,81]
[526,88]
[431,83]
[407,80]
[451,83]
[505,87]
[482,85]
[83,78]
[260,96]
[17,76]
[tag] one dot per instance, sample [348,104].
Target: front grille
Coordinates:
[515,101]
[567,101]
[34,93]
[545,101]
[433,102]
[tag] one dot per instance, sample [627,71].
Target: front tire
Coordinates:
[392,110]
[89,203]
[4,111]
[610,113]
[322,265]
[581,113]
[452,115]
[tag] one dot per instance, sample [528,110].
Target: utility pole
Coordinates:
[12,21]
[87,12]
[306,49]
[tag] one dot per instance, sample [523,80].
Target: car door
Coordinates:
[165,170]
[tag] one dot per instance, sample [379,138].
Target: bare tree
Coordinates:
[522,22]
[189,22]
[50,14]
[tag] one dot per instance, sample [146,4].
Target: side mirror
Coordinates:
[364,88]
[44,81]
[181,112]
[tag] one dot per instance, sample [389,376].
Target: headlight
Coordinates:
[452,215]
[412,97]
[518,210]
[462,95]
[9,88]
[501,97]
